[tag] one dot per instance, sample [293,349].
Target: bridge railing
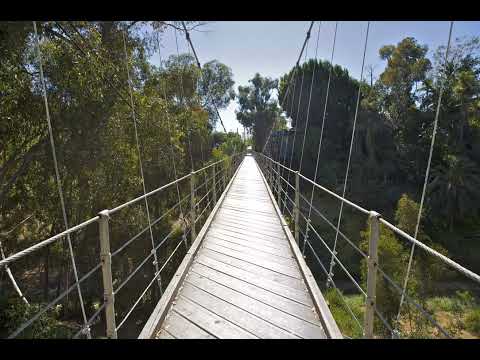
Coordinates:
[205,185]
[290,199]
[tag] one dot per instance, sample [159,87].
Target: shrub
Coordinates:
[472,321]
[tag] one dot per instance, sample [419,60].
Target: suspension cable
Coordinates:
[187,35]
[130,87]
[310,97]
[57,175]
[321,134]
[297,119]
[350,151]
[427,173]
[289,81]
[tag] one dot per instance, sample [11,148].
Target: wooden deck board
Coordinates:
[244,281]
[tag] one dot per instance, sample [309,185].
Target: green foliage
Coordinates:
[472,321]
[91,115]
[15,312]
[336,302]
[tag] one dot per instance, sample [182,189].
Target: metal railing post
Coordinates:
[214,185]
[106,260]
[192,204]
[372,263]
[297,207]
[279,186]
[269,172]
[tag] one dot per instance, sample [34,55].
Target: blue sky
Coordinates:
[272,47]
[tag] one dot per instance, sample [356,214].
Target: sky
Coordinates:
[271,48]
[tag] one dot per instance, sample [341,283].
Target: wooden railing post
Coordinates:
[297,207]
[214,185]
[106,260]
[372,263]
[192,205]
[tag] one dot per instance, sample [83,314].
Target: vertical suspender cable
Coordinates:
[297,121]
[7,268]
[349,156]
[427,173]
[321,135]
[59,184]
[12,279]
[189,137]
[202,153]
[134,118]
[170,133]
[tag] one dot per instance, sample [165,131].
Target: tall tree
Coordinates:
[258,109]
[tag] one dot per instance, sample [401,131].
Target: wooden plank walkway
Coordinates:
[245,280]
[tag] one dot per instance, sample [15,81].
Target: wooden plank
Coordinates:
[209,321]
[245,235]
[267,297]
[234,314]
[278,245]
[301,297]
[179,327]
[254,252]
[161,309]
[328,322]
[235,221]
[246,250]
[255,269]
[287,270]
[252,246]
[248,217]
[255,245]
[254,229]
[246,213]
[279,318]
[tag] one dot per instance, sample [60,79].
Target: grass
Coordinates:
[345,321]
[459,315]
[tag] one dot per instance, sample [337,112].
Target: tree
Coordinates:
[258,111]
[455,189]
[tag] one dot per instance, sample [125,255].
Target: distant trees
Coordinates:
[258,110]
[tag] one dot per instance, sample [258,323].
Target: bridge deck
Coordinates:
[245,280]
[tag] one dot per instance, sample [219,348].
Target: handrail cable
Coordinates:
[57,174]
[351,145]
